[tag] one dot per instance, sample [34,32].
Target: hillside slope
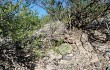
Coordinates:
[76,52]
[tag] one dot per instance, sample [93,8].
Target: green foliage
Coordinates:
[76,12]
[38,53]
[26,24]
[64,48]
[19,23]
[45,19]
[17,29]
[57,43]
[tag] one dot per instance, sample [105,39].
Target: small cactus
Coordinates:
[65,48]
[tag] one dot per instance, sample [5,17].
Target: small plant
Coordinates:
[57,43]
[64,48]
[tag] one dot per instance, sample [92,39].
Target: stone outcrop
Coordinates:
[79,54]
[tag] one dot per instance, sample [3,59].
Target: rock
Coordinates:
[67,57]
[63,62]
[97,64]
[53,55]
[108,67]
[77,51]
[50,67]
[94,58]
[100,35]
[81,48]
[84,38]
[52,30]
[107,55]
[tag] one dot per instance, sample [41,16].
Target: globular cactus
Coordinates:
[65,48]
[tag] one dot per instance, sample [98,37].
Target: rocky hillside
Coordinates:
[78,50]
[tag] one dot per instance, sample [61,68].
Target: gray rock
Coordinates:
[107,55]
[53,55]
[52,30]
[67,57]
[97,64]
[108,67]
